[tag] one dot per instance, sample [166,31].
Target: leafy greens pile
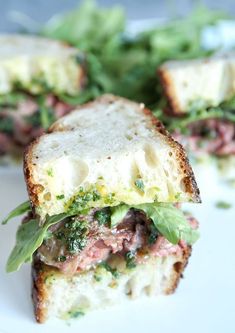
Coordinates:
[122,64]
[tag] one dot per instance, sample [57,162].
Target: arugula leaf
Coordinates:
[7,125]
[21,209]
[46,114]
[29,237]
[171,223]
[12,98]
[118,213]
[126,65]
[167,219]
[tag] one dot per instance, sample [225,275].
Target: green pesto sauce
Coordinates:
[73,236]
[85,199]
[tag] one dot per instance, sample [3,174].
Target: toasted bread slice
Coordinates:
[209,81]
[57,295]
[104,153]
[35,63]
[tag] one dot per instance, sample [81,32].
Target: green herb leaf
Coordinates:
[118,213]
[223,205]
[21,209]
[168,220]
[46,114]
[29,237]
[171,222]
[60,197]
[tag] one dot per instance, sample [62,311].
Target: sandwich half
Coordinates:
[40,79]
[104,222]
[201,103]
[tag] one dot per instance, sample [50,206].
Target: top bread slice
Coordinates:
[209,81]
[111,147]
[33,63]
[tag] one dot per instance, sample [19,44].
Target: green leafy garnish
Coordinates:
[223,205]
[168,220]
[60,197]
[7,125]
[21,209]
[12,99]
[126,65]
[29,237]
[118,213]
[47,116]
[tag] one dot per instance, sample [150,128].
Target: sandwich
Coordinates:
[201,103]
[40,79]
[103,222]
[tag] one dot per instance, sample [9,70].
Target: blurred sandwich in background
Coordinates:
[39,80]
[201,103]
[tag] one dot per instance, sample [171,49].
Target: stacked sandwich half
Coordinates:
[201,96]
[104,222]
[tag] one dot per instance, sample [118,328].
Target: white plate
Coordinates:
[203,302]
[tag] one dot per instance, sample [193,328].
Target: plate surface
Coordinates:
[203,302]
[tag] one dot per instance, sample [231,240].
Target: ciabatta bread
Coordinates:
[33,63]
[58,295]
[113,149]
[209,81]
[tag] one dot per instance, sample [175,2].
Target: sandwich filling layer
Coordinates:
[76,242]
[82,242]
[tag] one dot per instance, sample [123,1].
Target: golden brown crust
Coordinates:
[169,91]
[39,291]
[178,270]
[32,188]
[188,181]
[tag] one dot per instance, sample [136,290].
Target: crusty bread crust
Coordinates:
[189,179]
[41,292]
[169,92]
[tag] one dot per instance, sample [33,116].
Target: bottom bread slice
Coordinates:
[58,295]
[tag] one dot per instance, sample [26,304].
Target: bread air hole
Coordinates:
[150,156]
[78,170]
